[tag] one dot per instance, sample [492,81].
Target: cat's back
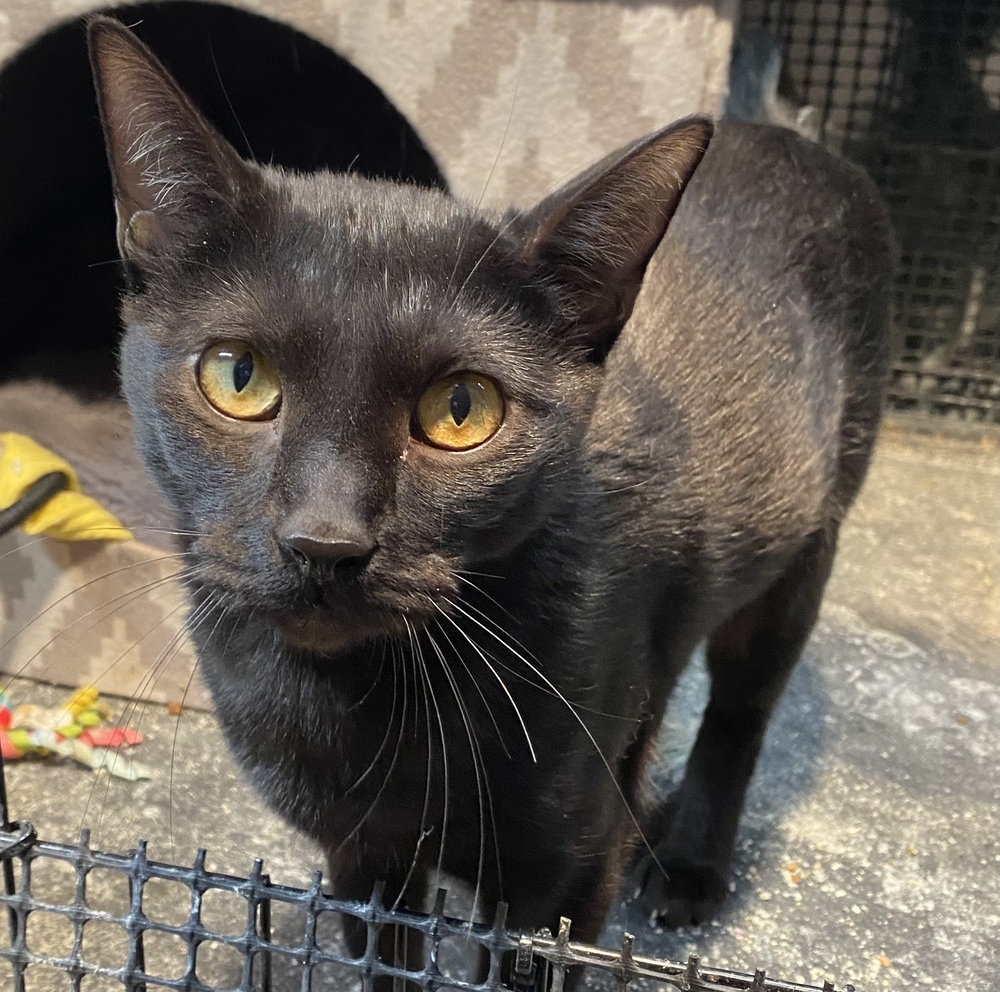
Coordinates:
[777,242]
[758,342]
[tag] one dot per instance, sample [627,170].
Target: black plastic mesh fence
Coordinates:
[911,90]
[81,920]
[103,943]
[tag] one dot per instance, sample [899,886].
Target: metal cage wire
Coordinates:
[910,89]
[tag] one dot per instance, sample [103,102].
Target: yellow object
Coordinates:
[19,738]
[82,700]
[69,514]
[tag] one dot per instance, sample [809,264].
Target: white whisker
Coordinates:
[388,727]
[422,831]
[486,661]
[90,582]
[583,726]
[398,666]
[475,682]
[129,597]
[177,724]
[482,780]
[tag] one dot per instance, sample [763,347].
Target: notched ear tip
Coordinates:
[114,53]
[684,142]
[119,60]
[99,25]
[107,38]
[698,124]
[703,130]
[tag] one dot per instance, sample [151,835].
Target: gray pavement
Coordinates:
[870,848]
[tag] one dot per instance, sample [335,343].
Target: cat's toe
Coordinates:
[682,893]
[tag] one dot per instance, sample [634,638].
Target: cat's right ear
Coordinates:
[172,173]
[589,243]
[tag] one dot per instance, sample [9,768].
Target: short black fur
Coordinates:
[481,689]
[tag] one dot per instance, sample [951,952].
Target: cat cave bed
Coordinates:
[488,99]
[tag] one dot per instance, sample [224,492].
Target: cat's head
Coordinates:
[353,390]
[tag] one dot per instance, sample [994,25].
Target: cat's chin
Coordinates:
[321,633]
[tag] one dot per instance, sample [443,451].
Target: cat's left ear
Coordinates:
[590,242]
[173,174]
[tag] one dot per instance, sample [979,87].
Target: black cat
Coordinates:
[466,500]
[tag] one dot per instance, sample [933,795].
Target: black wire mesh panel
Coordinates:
[911,90]
[93,924]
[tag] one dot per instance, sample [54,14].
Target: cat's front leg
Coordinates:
[749,658]
[586,898]
[400,947]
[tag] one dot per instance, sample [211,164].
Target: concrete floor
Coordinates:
[870,849]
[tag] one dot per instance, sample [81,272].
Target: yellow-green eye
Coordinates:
[239,382]
[460,412]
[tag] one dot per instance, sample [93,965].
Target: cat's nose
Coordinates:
[329,549]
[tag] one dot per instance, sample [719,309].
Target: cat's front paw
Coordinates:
[677,892]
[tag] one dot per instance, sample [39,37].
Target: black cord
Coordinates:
[35,497]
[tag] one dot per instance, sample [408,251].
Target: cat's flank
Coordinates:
[464,499]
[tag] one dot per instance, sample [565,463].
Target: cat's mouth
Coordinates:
[329,618]
[328,632]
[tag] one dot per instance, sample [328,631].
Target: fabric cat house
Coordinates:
[499,99]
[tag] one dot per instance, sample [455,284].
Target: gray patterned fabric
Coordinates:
[588,75]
